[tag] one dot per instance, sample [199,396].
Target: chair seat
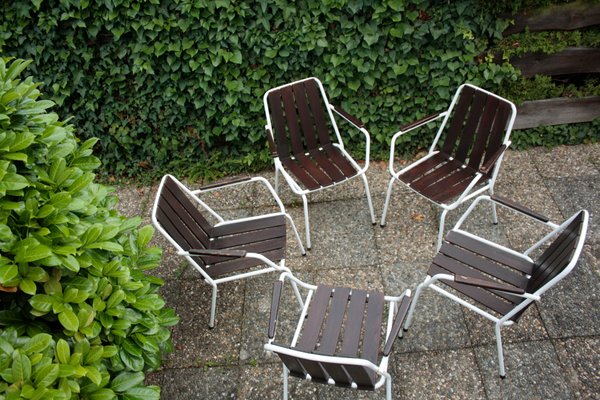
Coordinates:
[440,178]
[464,255]
[320,167]
[337,320]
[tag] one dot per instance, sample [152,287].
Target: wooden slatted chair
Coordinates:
[214,249]
[475,131]
[338,338]
[305,141]
[501,282]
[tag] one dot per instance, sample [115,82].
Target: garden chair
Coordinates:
[477,128]
[181,216]
[305,141]
[338,337]
[497,282]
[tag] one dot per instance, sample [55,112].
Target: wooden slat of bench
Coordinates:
[314,320]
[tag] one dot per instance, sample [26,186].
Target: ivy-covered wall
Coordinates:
[177,85]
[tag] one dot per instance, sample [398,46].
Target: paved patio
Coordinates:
[553,353]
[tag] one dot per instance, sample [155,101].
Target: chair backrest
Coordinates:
[560,255]
[180,219]
[299,117]
[479,123]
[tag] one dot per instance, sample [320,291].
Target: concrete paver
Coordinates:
[449,352]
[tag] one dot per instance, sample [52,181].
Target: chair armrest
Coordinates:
[347,116]
[421,121]
[398,322]
[489,164]
[275,299]
[488,284]
[518,207]
[213,252]
[227,182]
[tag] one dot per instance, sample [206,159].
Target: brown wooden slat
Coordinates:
[185,239]
[483,132]
[293,365]
[327,165]
[333,323]
[338,373]
[249,225]
[401,314]
[244,238]
[574,15]
[468,133]
[315,369]
[181,225]
[354,322]
[572,60]
[492,268]
[455,267]
[457,119]
[335,154]
[306,118]
[441,173]
[557,256]
[317,107]
[292,120]
[372,327]
[296,169]
[237,264]
[489,252]
[498,130]
[363,377]
[480,295]
[183,204]
[314,169]
[314,320]
[277,114]
[422,169]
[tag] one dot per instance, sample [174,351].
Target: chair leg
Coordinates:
[277,180]
[213,308]
[302,251]
[285,382]
[369,198]
[387,201]
[494,214]
[500,352]
[441,229]
[413,304]
[306,223]
[388,388]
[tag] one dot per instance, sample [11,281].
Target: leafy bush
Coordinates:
[178,85]
[79,317]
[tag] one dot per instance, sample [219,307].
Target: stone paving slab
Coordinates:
[449,352]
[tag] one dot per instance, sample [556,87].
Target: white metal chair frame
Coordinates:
[466,195]
[499,322]
[291,181]
[381,369]
[189,255]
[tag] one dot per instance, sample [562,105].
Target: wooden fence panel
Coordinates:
[532,114]
[576,15]
[572,60]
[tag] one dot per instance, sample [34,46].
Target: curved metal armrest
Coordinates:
[398,323]
[275,299]
[350,118]
[224,183]
[407,128]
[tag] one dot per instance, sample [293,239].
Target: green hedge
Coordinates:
[178,85]
[80,315]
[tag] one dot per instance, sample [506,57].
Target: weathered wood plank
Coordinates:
[572,60]
[532,114]
[564,17]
